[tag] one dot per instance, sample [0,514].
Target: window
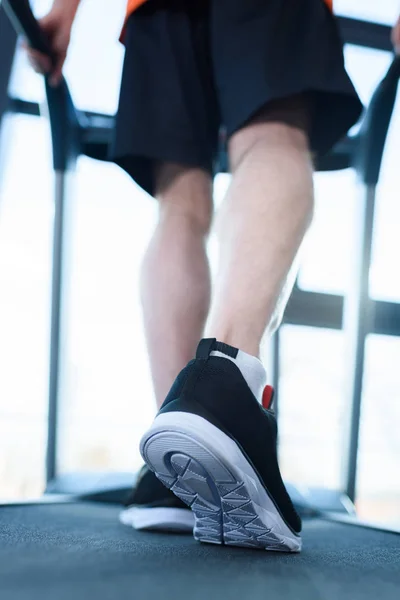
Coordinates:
[26,212]
[325,265]
[384,281]
[107,397]
[385,11]
[311,406]
[378,485]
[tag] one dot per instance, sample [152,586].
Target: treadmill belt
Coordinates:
[80,551]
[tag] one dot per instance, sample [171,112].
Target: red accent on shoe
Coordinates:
[268,396]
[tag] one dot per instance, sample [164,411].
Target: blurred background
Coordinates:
[106,398]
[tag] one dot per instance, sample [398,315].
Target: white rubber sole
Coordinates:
[207,470]
[171,520]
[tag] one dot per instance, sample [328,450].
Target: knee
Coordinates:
[185,193]
[281,124]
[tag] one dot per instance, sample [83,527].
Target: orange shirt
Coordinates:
[134,4]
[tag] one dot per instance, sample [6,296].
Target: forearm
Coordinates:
[67,7]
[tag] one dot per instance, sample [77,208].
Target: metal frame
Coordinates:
[365,34]
[8,40]
[353,313]
[57,289]
[358,323]
[348,519]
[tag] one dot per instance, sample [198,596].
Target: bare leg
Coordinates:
[264,219]
[176,275]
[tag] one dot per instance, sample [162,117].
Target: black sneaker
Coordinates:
[152,507]
[214,446]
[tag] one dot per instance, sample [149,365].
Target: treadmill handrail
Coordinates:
[64,119]
[24,22]
[375,126]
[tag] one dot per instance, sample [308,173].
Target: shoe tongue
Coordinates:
[268,397]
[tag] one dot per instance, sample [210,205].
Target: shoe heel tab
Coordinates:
[209,345]
[205,348]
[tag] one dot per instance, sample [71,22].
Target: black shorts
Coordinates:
[194,66]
